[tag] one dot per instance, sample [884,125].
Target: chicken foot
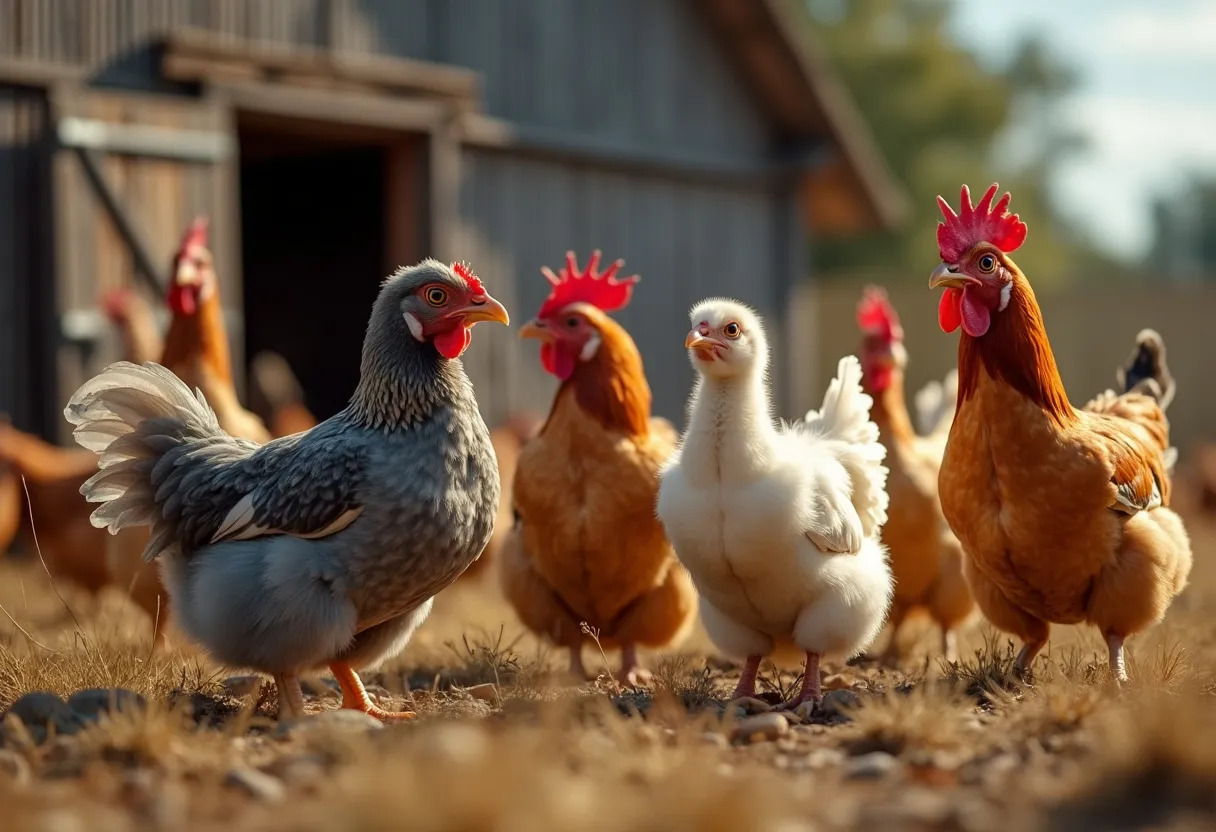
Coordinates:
[1025,660]
[747,678]
[291,697]
[354,695]
[810,691]
[632,673]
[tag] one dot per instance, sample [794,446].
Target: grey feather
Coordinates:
[316,547]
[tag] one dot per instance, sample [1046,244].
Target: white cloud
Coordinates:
[1189,33]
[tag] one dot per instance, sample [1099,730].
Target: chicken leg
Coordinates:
[747,678]
[811,691]
[291,697]
[354,695]
[632,673]
[1118,668]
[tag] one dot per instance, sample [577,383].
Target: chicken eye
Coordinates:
[436,296]
[572,322]
[987,263]
[732,330]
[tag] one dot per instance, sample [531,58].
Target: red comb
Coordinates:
[983,223]
[465,272]
[604,291]
[875,315]
[196,235]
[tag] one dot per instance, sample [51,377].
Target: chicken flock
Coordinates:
[287,545]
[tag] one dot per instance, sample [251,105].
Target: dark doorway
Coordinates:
[313,256]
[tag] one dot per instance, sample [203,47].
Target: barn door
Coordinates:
[131,172]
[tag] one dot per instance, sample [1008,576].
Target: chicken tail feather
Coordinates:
[1146,370]
[842,427]
[132,416]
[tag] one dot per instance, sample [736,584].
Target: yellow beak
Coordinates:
[488,310]
[948,275]
[535,329]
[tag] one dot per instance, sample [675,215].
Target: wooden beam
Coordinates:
[488,133]
[376,111]
[143,140]
[203,56]
[33,73]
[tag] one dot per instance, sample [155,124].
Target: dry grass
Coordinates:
[962,746]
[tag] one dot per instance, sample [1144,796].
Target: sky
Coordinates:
[1146,99]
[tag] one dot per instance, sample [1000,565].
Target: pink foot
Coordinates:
[811,691]
[747,679]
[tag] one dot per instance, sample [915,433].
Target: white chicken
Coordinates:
[777,524]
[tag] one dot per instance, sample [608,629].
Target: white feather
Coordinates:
[414,324]
[779,525]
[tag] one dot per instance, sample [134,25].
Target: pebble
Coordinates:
[39,711]
[14,768]
[875,765]
[257,784]
[238,687]
[89,704]
[341,720]
[760,728]
[825,758]
[840,702]
[748,705]
[304,769]
[714,739]
[487,692]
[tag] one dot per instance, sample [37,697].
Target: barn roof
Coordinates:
[851,188]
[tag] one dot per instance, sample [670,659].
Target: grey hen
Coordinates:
[323,548]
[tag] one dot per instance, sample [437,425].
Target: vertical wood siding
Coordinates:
[687,241]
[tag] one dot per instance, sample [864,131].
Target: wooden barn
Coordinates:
[332,140]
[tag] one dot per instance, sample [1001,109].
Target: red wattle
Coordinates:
[183,300]
[976,315]
[949,312]
[453,342]
[557,362]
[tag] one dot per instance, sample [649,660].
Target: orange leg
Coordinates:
[355,697]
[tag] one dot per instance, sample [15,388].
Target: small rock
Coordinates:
[835,681]
[342,720]
[714,739]
[14,768]
[91,703]
[455,742]
[875,765]
[760,728]
[825,758]
[17,735]
[748,706]
[257,784]
[303,770]
[839,702]
[39,711]
[487,692]
[238,687]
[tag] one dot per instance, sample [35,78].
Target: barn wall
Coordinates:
[25,254]
[638,72]
[687,240]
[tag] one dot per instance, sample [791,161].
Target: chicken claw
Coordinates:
[632,673]
[354,696]
[811,691]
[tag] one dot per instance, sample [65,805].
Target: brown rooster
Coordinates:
[278,396]
[1063,513]
[925,556]
[136,323]
[587,547]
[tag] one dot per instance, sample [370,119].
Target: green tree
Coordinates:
[942,119]
[1184,233]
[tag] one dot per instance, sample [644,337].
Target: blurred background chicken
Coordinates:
[925,555]
[779,525]
[131,314]
[587,547]
[1063,513]
[276,395]
[196,345]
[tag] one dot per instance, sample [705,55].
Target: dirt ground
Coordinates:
[505,741]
